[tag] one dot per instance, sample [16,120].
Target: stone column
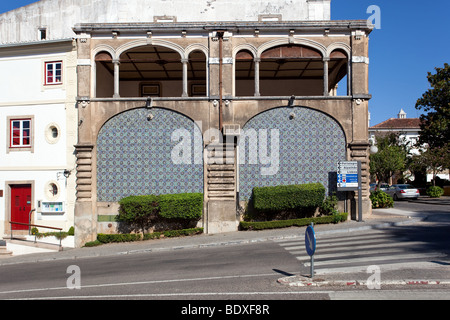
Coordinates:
[257,61]
[116,78]
[85,221]
[185,77]
[325,76]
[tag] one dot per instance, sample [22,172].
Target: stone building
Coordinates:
[216,97]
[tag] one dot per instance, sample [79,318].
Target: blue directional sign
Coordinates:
[310,241]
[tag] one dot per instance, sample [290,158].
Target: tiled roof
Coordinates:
[396,123]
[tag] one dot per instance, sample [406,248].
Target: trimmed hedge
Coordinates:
[181,206]
[335,218]
[145,211]
[279,198]
[129,237]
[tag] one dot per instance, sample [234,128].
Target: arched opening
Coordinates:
[244,74]
[150,71]
[104,74]
[338,70]
[197,74]
[291,70]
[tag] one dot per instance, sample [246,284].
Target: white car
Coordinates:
[403,191]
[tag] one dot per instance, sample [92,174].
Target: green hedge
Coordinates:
[279,198]
[129,237]
[335,218]
[144,211]
[181,206]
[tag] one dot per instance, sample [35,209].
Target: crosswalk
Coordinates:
[356,251]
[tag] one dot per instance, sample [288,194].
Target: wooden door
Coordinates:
[20,205]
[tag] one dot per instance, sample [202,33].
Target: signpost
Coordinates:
[310,244]
[349,179]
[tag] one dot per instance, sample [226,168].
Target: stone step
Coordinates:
[221,174]
[221,194]
[221,187]
[221,167]
[221,180]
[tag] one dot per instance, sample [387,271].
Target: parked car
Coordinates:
[403,191]
[383,187]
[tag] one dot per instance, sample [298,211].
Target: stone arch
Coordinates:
[310,145]
[137,154]
[296,41]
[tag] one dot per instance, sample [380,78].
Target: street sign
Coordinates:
[348,177]
[310,240]
[310,244]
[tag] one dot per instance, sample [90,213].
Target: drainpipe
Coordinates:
[220,36]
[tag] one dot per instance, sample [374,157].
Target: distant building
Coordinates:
[408,130]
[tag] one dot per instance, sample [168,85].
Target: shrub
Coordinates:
[138,210]
[176,211]
[260,225]
[329,205]
[290,197]
[181,206]
[381,199]
[435,191]
[127,237]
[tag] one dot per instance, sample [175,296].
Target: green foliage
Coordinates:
[391,157]
[138,210]
[127,237]
[435,191]
[261,225]
[71,231]
[435,126]
[329,205]
[181,206]
[141,212]
[130,237]
[381,199]
[290,197]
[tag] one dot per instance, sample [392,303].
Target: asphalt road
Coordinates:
[235,272]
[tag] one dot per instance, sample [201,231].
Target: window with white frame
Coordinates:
[53,73]
[20,133]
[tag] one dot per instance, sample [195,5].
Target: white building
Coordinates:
[39,121]
[408,130]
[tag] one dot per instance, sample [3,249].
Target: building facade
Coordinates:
[216,98]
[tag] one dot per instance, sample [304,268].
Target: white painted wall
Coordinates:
[22,93]
[60,16]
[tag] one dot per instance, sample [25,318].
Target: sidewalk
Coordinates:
[380,218]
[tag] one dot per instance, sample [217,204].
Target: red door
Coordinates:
[20,205]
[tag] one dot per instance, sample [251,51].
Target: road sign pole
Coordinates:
[312,266]
[359,193]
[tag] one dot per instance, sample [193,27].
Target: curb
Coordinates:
[346,283]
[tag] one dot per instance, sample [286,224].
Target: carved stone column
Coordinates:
[85,216]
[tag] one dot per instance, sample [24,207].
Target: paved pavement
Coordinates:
[379,219]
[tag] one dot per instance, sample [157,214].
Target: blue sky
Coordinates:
[413,40]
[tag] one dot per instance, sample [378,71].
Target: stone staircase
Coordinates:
[221,188]
[221,172]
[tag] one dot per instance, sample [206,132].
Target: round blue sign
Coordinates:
[310,240]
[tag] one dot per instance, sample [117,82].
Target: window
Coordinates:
[20,133]
[53,73]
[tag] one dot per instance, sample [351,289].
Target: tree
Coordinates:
[435,126]
[390,158]
[434,159]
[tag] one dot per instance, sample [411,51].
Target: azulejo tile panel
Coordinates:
[135,155]
[310,145]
